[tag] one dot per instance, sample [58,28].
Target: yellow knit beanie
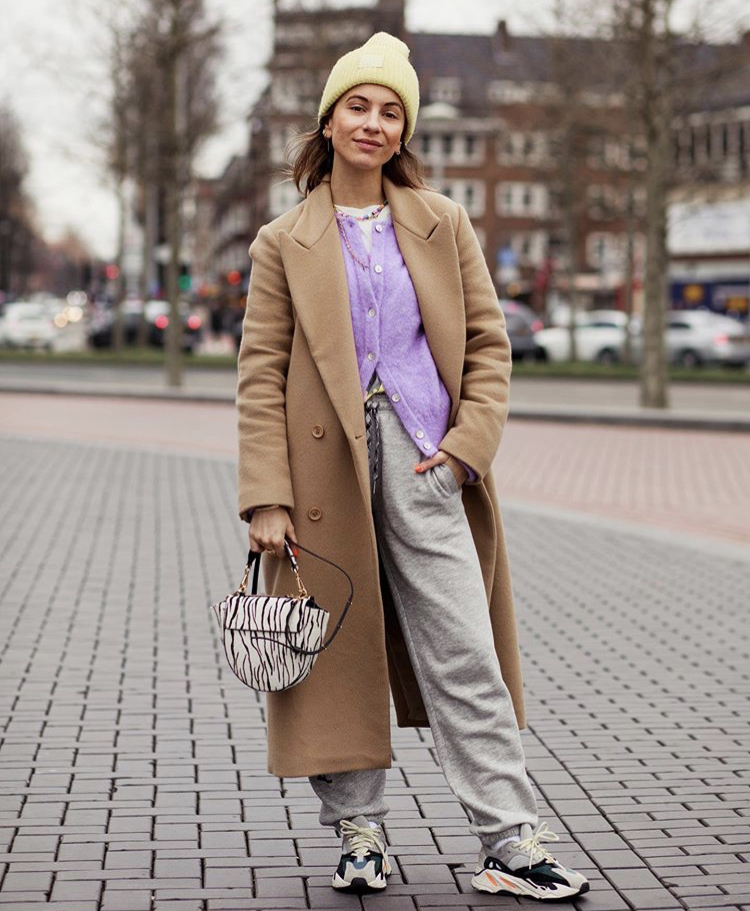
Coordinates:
[383,59]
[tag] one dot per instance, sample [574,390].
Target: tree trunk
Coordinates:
[627,348]
[173,176]
[118,328]
[147,257]
[569,167]
[657,110]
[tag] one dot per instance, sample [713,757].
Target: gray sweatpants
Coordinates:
[429,558]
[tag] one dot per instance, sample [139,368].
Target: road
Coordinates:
[717,399]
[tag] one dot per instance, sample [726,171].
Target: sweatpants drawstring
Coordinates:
[372,429]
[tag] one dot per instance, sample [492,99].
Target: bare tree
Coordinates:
[16,232]
[163,57]
[643,33]
[118,159]
[581,114]
[178,52]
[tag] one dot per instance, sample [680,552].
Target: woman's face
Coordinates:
[366,125]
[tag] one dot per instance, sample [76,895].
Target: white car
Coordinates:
[27,325]
[49,324]
[600,336]
[697,337]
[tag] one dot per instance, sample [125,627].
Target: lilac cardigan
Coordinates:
[389,336]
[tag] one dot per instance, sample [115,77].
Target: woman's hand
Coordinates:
[268,528]
[459,472]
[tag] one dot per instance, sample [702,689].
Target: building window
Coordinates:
[285,94]
[470,193]
[525,148]
[520,198]
[282,197]
[506,91]
[605,201]
[530,247]
[445,88]
[604,250]
[280,137]
[426,144]
[470,143]
[447,145]
[506,199]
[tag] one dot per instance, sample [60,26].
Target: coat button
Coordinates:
[317,431]
[419,434]
[314,514]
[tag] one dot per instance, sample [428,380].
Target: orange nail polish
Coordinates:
[419,468]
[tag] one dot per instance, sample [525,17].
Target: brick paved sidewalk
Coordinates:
[133,763]
[684,481]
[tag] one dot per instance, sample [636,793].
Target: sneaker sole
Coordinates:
[360,884]
[501,882]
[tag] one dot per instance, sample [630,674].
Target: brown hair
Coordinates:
[311,161]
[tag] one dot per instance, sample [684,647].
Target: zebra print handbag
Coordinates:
[272,642]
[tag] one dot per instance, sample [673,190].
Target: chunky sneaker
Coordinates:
[525,868]
[364,860]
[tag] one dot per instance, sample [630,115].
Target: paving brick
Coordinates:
[179,782]
[23,882]
[650,899]
[76,891]
[280,888]
[426,873]
[127,900]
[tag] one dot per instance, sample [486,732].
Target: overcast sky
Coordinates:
[52,74]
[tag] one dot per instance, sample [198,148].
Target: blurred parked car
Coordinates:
[156,314]
[45,323]
[600,336]
[27,325]
[697,337]
[521,324]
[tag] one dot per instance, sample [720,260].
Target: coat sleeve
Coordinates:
[262,366]
[483,407]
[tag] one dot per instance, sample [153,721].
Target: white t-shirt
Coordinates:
[365,225]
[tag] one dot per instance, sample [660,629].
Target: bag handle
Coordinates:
[253,557]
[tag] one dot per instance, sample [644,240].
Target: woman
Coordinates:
[373,388]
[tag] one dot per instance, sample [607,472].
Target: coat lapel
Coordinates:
[314,266]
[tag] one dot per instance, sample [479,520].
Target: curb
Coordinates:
[684,420]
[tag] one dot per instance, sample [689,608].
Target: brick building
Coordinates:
[493,114]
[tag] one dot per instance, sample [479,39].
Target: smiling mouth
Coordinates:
[370,145]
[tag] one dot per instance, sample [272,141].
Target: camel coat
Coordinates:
[302,444]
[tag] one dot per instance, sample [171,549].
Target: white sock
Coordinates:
[496,846]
